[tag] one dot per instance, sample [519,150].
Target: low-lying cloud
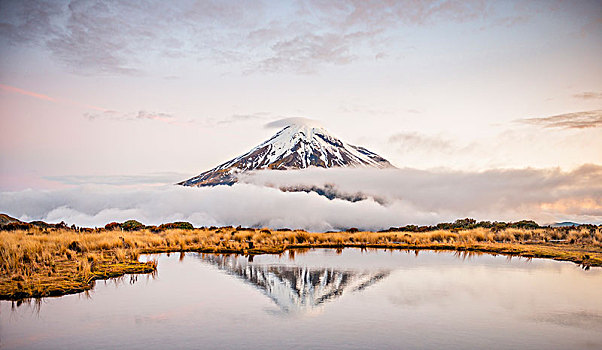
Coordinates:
[392,197]
[545,195]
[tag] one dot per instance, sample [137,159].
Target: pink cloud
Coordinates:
[48,98]
[25,92]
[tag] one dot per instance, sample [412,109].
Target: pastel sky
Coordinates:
[171,89]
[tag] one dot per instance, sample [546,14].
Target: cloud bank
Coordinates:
[391,198]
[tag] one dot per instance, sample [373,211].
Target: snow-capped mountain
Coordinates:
[299,145]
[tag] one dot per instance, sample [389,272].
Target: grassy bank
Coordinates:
[44,262]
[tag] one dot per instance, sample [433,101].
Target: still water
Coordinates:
[323,299]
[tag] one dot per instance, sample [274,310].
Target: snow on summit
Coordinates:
[302,143]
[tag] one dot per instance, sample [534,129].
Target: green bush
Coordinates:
[132,225]
[182,225]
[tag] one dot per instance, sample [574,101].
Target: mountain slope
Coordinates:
[297,146]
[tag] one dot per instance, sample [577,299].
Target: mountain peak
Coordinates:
[302,143]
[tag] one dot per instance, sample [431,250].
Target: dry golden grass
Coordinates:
[38,262]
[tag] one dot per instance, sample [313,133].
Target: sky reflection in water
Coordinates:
[324,299]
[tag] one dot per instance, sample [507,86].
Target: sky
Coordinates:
[153,92]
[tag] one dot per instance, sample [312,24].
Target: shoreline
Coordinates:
[67,262]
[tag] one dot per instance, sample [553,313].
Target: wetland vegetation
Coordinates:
[40,260]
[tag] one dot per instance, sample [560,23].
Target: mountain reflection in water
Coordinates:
[412,300]
[296,289]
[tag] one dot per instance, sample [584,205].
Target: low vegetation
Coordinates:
[45,260]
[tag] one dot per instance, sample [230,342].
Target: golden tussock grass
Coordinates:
[36,263]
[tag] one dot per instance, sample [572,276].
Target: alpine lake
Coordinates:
[323,299]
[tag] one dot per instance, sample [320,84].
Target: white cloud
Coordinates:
[119,37]
[283,123]
[411,197]
[577,120]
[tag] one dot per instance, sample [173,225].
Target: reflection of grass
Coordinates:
[38,262]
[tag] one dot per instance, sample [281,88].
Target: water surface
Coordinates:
[323,299]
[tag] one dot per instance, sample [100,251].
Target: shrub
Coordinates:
[12,226]
[41,224]
[132,225]
[182,225]
[465,223]
[526,224]
[112,226]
